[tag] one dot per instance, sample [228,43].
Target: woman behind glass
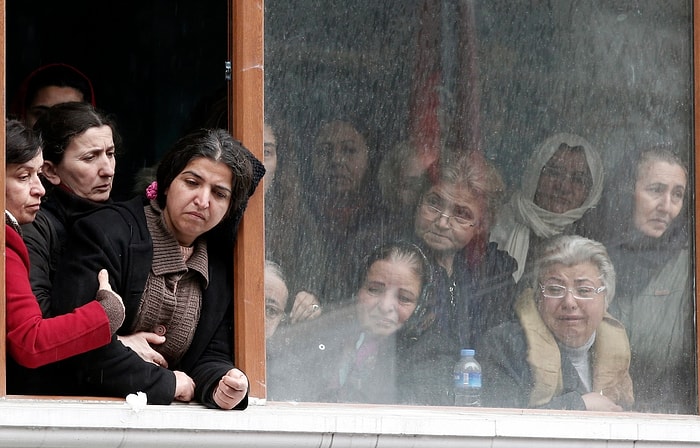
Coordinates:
[562,181]
[344,204]
[170,258]
[288,221]
[473,279]
[564,351]
[380,349]
[276,297]
[649,244]
[402,177]
[80,143]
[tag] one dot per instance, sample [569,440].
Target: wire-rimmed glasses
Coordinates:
[432,208]
[554,291]
[273,312]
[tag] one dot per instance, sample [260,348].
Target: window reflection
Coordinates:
[438,77]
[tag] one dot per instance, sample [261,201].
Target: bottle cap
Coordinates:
[467,352]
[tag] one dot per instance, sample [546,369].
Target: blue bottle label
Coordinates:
[468,380]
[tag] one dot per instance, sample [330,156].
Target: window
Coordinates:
[617,75]
[357,92]
[159,67]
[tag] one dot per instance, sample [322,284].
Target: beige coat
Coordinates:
[611,356]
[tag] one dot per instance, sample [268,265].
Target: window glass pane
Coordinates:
[474,132]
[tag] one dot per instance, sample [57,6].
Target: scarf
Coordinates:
[520,215]
[11,221]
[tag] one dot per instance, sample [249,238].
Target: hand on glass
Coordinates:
[306,306]
[141,343]
[184,386]
[232,388]
[596,401]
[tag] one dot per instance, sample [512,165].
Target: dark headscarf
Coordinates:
[57,74]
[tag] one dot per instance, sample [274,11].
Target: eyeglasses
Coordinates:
[430,209]
[272,312]
[579,292]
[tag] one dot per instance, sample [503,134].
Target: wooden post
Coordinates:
[246,124]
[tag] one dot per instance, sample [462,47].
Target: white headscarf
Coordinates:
[520,215]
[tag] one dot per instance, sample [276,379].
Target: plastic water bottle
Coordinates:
[467,379]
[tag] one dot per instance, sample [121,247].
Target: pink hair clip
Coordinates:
[152,190]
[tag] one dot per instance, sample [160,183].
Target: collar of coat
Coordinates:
[611,356]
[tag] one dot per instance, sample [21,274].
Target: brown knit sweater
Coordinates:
[172,298]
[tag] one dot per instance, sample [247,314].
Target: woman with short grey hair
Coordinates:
[564,351]
[570,250]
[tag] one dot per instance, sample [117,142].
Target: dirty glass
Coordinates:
[582,108]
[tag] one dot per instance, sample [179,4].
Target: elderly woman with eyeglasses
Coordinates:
[474,287]
[565,351]
[276,297]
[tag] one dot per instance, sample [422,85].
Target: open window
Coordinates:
[160,68]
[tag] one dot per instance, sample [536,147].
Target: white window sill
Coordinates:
[76,423]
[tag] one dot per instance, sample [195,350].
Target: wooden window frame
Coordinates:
[246,53]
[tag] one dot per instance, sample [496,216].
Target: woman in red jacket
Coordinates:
[32,341]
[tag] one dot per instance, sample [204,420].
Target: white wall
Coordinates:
[45,423]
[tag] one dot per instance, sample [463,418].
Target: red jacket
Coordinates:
[33,341]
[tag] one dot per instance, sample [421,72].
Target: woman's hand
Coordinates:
[232,388]
[184,386]
[141,343]
[596,401]
[103,280]
[306,306]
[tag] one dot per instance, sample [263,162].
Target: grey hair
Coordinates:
[570,250]
[479,175]
[275,269]
[658,153]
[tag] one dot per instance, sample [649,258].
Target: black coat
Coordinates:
[475,298]
[306,360]
[116,238]
[506,375]
[46,236]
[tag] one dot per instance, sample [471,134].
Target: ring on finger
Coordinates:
[315,307]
